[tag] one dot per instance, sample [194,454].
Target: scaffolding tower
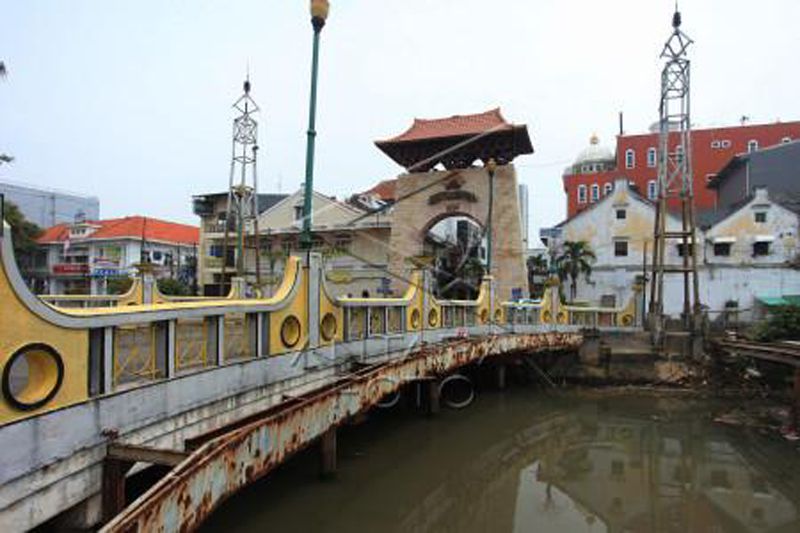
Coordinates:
[675,189]
[241,214]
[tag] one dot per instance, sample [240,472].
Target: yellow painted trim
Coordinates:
[296,307]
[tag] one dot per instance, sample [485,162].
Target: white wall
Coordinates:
[718,284]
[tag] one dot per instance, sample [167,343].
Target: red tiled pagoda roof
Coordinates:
[457,142]
[455,126]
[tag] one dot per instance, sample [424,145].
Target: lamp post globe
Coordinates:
[319,13]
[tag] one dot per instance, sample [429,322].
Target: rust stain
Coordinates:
[220,467]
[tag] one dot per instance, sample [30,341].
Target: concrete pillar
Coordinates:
[433,396]
[795,423]
[501,376]
[108,359]
[113,487]
[327,449]
[314,273]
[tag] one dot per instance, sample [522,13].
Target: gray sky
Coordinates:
[130,101]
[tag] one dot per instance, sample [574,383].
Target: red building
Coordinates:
[636,158]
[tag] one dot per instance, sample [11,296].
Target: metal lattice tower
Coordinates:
[675,187]
[242,208]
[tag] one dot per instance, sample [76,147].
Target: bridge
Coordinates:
[224,389]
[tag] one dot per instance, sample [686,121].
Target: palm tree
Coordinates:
[576,258]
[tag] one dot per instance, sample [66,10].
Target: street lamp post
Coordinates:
[319,14]
[491,167]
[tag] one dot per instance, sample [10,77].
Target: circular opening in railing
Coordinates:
[498,315]
[328,327]
[433,318]
[32,376]
[291,331]
[484,316]
[415,319]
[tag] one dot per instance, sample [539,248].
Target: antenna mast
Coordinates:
[675,187]
[242,208]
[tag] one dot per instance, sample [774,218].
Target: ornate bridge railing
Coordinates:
[53,356]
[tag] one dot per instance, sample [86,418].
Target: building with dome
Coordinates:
[593,159]
[591,177]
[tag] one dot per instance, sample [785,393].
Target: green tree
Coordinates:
[782,324]
[23,235]
[173,287]
[118,284]
[575,259]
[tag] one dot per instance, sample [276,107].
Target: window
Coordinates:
[786,140]
[581,194]
[595,192]
[725,144]
[716,145]
[761,217]
[651,157]
[621,214]
[630,158]
[298,212]
[680,249]
[752,145]
[621,248]
[652,190]
[722,249]
[679,154]
[760,248]
[607,188]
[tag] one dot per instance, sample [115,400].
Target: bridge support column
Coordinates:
[327,449]
[501,376]
[433,397]
[113,486]
[795,424]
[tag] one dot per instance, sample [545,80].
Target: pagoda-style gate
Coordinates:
[460,146]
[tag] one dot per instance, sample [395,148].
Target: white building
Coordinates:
[82,256]
[746,254]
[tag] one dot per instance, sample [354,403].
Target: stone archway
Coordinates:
[427,197]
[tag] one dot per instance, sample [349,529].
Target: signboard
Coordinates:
[105,272]
[70,269]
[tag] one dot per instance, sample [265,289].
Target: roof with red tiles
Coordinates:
[455,126]
[135,227]
[385,190]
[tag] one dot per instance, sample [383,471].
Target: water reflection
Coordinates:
[525,462]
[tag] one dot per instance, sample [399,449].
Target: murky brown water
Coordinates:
[528,461]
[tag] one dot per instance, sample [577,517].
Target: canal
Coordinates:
[527,460]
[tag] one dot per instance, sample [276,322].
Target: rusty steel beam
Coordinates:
[782,353]
[143,454]
[215,471]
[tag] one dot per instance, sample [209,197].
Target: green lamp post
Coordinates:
[319,14]
[491,168]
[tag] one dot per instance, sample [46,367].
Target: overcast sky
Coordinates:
[130,101]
